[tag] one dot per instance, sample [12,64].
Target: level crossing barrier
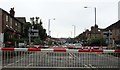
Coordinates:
[59,58]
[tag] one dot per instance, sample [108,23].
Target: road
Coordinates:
[62,60]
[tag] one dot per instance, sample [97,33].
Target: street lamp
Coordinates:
[74,29]
[94,10]
[95,17]
[49,26]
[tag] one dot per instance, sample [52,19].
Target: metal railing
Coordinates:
[59,58]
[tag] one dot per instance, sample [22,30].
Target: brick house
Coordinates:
[88,35]
[10,27]
[115,29]
[94,32]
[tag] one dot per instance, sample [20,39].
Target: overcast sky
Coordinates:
[66,13]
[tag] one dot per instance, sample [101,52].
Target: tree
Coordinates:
[27,25]
[42,31]
[37,41]
[96,42]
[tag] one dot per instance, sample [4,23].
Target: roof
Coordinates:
[93,32]
[21,19]
[11,15]
[114,25]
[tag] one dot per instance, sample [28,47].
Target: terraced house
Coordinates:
[11,28]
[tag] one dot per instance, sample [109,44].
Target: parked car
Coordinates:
[117,44]
[74,46]
[40,46]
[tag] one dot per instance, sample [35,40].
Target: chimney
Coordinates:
[12,12]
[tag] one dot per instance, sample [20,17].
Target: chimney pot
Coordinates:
[12,12]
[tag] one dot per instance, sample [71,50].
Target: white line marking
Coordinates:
[91,66]
[86,66]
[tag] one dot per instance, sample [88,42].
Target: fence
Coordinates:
[59,58]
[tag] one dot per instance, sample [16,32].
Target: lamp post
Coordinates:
[95,17]
[49,26]
[94,10]
[74,29]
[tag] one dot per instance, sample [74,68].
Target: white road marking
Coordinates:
[86,66]
[92,66]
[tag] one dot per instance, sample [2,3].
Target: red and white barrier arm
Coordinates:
[58,50]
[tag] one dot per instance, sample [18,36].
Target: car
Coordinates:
[117,44]
[75,46]
[36,46]
[71,47]
[40,46]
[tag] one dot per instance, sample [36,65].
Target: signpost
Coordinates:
[33,33]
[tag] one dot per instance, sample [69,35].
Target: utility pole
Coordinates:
[95,17]
[29,36]
[49,26]
[74,29]
[109,33]
[95,22]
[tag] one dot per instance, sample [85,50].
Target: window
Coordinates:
[16,25]
[6,20]
[19,27]
[10,24]
[119,31]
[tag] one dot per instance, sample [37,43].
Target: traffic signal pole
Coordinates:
[109,32]
[29,37]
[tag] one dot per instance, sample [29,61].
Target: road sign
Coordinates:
[34,34]
[33,30]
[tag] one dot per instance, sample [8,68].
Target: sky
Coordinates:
[66,13]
